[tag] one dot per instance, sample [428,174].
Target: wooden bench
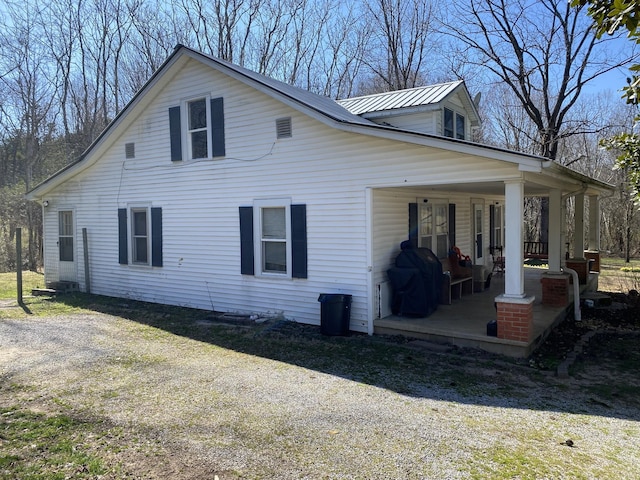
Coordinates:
[458,282]
[539,250]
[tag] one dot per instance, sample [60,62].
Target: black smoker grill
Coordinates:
[416,281]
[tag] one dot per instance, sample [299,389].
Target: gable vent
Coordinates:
[130,150]
[283,127]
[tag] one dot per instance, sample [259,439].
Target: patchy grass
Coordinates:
[38,446]
[8,284]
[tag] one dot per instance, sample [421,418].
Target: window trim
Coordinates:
[126,238]
[187,132]
[455,115]
[497,226]
[258,240]
[133,236]
[72,235]
[434,202]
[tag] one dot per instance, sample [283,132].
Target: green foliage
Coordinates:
[628,159]
[609,16]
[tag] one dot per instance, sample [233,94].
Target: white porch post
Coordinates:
[514,247]
[514,310]
[594,223]
[555,230]
[578,234]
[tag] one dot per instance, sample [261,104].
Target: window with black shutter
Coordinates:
[273,239]
[140,236]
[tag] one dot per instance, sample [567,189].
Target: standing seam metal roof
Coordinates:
[412,97]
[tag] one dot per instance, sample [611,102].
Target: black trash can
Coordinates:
[335,313]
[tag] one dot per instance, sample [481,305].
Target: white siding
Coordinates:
[425,122]
[325,169]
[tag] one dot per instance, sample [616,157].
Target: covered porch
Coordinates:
[526,302]
[464,322]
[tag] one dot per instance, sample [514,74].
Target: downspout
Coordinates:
[577,315]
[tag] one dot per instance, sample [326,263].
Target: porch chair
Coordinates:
[498,260]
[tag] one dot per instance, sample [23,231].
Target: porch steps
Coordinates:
[595,300]
[56,288]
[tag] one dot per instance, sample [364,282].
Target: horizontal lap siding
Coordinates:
[323,168]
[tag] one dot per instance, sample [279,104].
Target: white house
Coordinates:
[219,188]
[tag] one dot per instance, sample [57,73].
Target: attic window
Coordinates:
[130,150]
[283,128]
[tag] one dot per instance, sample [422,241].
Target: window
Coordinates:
[198,126]
[496,220]
[448,123]
[453,125]
[140,236]
[434,226]
[198,129]
[273,239]
[459,126]
[65,235]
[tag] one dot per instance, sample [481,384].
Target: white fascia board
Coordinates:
[525,162]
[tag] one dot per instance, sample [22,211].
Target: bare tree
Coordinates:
[402,35]
[545,52]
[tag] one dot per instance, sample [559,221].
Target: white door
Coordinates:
[478,227]
[66,246]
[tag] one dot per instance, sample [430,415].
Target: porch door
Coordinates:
[478,229]
[66,246]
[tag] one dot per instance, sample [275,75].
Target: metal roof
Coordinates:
[322,104]
[411,97]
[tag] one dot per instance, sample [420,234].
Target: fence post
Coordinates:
[19,263]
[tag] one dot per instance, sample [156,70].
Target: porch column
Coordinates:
[555,284]
[594,223]
[514,246]
[514,309]
[594,233]
[555,230]
[578,262]
[578,221]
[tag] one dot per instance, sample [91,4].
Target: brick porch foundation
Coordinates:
[515,318]
[595,256]
[580,265]
[555,289]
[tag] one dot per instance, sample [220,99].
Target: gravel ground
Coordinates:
[194,409]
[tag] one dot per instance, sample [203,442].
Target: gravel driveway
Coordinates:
[196,409]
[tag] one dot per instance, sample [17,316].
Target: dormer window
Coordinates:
[459,126]
[453,124]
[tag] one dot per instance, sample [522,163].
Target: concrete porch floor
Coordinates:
[464,323]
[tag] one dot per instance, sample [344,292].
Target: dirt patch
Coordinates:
[176,396]
[621,317]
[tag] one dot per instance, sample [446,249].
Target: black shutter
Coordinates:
[123,253]
[492,226]
[299,241]
[246,241]
[217,127]
[175,134]
[156,236]
[413,224]
[452,224]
